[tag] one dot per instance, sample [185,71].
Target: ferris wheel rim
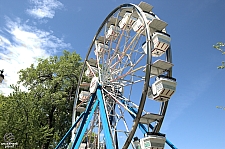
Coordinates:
[147,74]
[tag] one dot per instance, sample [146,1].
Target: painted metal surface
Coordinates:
[86,125]
[106,129]
[69,131]
[83,122]
[145,130]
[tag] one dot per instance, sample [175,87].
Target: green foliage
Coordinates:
[19,117]
[40,117]
[220,46]
[220,107]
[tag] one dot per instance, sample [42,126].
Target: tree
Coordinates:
[40,116]
[19,117]
[219,46]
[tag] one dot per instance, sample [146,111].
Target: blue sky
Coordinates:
[30,29]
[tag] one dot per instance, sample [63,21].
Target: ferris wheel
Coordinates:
[125,84]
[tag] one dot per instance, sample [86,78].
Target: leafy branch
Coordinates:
[220,46]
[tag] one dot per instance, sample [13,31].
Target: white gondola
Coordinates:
[101,48]
[139,26]
[161,43]
[127,21]
[92,62]
[162,89]
[91,71]
[84,95]
[113,32]
[153,141]
[154,23]
[91,68]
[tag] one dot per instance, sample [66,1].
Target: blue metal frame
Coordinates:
[106,129]
[87,117]
[86,125]
[69,131]
[144,129]
[86,113]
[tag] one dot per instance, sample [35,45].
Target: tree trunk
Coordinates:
[50,123]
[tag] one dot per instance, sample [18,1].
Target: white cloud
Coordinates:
[44,8]
[20,46]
